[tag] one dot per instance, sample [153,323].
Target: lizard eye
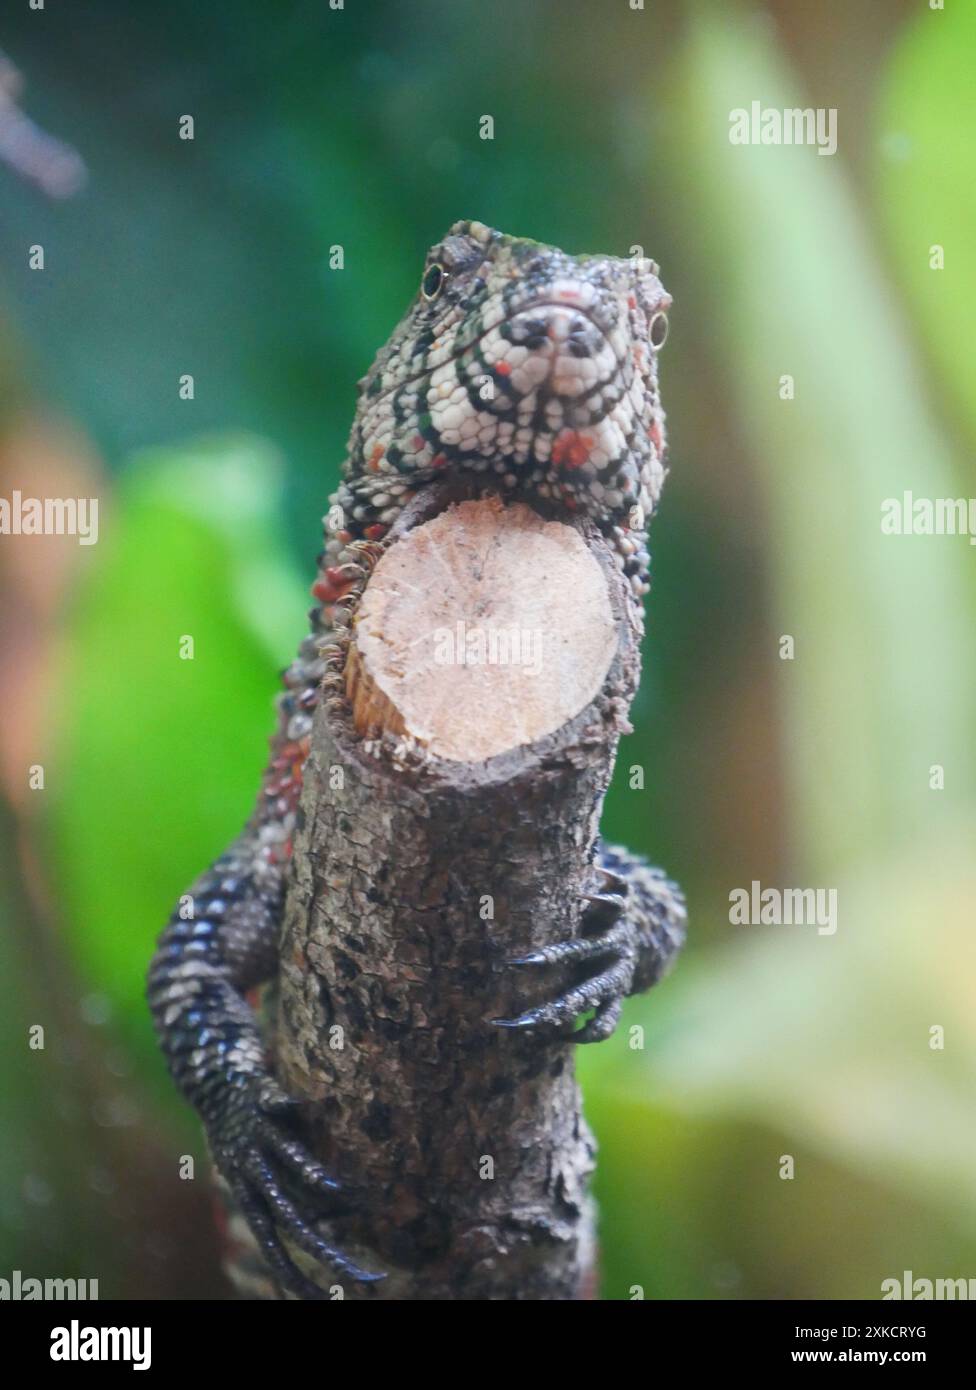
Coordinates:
[658,331]
[435,277]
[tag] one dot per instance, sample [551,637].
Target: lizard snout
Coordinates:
[559,346]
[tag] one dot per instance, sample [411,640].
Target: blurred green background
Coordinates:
[359,127]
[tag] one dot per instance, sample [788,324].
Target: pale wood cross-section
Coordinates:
[481,630]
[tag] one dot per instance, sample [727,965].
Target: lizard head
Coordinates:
[534,367]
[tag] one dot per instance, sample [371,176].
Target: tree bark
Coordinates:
[437,841]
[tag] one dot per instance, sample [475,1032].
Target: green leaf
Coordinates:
[777,245]
[827,1037]
[927,193]
[159,757]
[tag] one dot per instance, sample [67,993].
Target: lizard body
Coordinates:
[538,372]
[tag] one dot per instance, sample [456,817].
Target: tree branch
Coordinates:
[450,813]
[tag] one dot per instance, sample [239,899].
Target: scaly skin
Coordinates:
[535,372]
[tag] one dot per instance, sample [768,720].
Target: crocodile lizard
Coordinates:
[535,371]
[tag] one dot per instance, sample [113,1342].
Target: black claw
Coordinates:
[362,1276]
[617,900]
[603,909]
[534,1018]
[613,942]
[614,881]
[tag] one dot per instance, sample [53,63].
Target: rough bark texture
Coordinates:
[415,878]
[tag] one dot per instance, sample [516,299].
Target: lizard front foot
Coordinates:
[277,1183]
[632,927]
[609,947]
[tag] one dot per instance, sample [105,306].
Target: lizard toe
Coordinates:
[287,1274]
[296,1158]
[558,1016]
[296,1227]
